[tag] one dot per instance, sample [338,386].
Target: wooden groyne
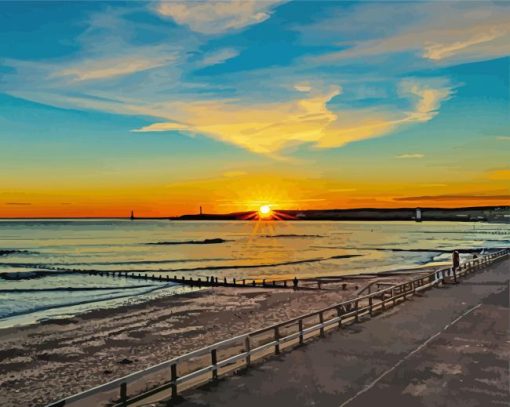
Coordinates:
[209,363]
[200,281]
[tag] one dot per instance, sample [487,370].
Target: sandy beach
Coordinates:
[47,361]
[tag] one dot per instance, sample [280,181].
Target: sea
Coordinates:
[42,261]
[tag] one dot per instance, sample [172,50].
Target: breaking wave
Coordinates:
[52,289]
[7,252]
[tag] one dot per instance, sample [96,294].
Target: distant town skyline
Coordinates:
[166,107]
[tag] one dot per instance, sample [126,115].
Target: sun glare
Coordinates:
[265,211]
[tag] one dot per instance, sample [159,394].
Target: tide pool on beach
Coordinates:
[39,259]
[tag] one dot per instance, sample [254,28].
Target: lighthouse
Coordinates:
[418,215]
[132,215]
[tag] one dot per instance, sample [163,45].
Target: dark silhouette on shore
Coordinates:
[468,214]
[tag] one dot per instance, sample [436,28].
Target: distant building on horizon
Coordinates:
[132,215]
[418,215]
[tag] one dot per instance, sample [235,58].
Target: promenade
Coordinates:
[445,347]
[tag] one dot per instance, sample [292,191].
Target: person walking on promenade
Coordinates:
[456,259]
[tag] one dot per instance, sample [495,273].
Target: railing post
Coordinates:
[321,320]
[123,394]
[339,314]
[247,347]
[370,306]
[214,362]
[301,337]
[173,378]
[277,339]
[356,304]
[393,297]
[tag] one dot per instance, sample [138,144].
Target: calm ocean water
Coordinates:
[30,252]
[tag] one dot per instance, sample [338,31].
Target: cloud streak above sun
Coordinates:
[271,127]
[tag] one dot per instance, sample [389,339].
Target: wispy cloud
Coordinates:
[214,17]
[113,67]
[443,50]
[411,155]
[218,57]
[18,203]
[266,128]
[454,198]
[272,127]
[437,31]
[303,87]
[167,126]
[503,138]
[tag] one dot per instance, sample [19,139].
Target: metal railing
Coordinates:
[210,362]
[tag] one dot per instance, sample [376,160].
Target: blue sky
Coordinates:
[371,102]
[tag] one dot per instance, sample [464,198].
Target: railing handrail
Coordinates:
[207,349]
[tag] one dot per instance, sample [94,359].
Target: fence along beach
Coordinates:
[209,363]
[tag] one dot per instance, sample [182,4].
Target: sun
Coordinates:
[265,211]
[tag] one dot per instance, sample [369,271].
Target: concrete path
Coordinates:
[448,347]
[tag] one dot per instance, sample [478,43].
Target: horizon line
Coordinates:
[249,211]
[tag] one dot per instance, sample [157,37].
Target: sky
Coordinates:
[163,107]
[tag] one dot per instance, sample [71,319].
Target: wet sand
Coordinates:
[44,362]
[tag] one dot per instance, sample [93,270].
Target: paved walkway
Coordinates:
[448,347]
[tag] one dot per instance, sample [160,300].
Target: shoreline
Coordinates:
[35,317]
[52,359]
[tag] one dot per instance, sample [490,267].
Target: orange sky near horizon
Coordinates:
[240,193]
